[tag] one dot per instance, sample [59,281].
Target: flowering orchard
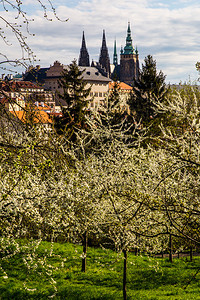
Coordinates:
[111,188]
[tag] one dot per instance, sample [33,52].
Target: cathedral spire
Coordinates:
[84,59]
[115,61]
[129,61]
[104,59]
[104,39]
[128,49]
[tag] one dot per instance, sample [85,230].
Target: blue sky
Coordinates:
[168,30]
[176,4]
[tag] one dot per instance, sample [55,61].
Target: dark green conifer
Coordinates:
[114,99]
[112,110]
[149,87]
[75,94]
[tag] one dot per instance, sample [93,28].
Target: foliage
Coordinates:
[113,111]
[149,87]
[114,96]
[126,195]
[75,93]
[180,139]
[197,65]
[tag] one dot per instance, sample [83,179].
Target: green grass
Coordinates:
[147,278]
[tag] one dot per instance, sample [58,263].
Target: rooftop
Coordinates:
[122,86]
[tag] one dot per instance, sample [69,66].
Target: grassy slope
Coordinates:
[148,278]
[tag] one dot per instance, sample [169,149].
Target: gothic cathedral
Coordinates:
[128,69]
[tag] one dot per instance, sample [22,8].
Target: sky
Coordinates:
[167,30]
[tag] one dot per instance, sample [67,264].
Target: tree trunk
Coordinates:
[124,275]
[191,254]
[170,248]
[136,249]
[84,252]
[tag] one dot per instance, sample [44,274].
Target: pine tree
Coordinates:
[113,104]
[75,95]
[149,87]
[116,110]
[111,112]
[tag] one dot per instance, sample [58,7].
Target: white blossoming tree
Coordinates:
[180,140]
[109,184]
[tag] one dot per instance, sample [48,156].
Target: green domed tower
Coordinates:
[129,61]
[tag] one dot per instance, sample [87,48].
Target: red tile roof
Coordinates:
[39,116]
[122,85]
[17,85]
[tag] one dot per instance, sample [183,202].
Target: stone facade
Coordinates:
[129,67]
[99,83]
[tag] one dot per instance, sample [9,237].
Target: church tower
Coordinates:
[84,59]
[104,59]
[129,61]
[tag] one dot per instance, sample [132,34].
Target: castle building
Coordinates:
[98,75]
[99,84]
[128,69]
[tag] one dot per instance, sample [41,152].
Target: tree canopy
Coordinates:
[149,87]
[75,92]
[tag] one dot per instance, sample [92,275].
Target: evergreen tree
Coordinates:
[116,109]
[149,87]
[75,95]
[112,106]
[111,120]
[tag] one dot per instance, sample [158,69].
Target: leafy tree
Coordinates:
[114,95]
[180,140]
[110,109]
[114,110]
[110,121]
[149,87]
[197,66]
[123,189]
[75,93]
